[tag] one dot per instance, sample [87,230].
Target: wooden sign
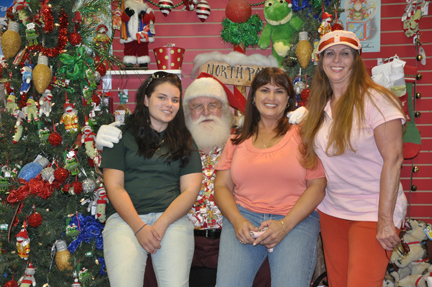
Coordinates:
[231,75]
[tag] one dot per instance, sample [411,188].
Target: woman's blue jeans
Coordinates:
[292,263]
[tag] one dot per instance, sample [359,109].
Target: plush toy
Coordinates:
[415,237]
[31,110]
[69,118]
[18,126]
[88,139]
[11,105]
[325,26]
[28,278]
[23,243]
[417,280]
[45,103]
[137,32]
[26,72]
[31,34]
[281,26]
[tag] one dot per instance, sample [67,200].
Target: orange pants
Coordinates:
[353,255]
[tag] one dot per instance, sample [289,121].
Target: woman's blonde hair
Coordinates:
[350,106]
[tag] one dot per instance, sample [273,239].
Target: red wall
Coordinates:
[185,30]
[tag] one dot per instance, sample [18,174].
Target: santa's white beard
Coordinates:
[210,134]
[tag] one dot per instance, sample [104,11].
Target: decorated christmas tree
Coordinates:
[52,199]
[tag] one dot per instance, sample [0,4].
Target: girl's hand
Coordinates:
[149,239]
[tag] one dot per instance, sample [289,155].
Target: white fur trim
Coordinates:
[205,87]
[129,59]
[143,60]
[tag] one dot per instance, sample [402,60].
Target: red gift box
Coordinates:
[169,58]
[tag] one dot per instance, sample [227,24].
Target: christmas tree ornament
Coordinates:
[303,50]
[26,72]
[20,115]
[62,256]
[11,283]
[76,283]
[31,34]
[238,11]
[55,138]
[45,105]
[35,219]
[304,97]
[75,38]
[189,5]
[47,17]
[101,203]
[325,26]
[31,111]
[75,188]
[23,242]
[32,169]
[299,86]
[11,40]
[203,10]
[88,185]
[69,118]
[42,74]
[337,25]
[61,174]
[71,163]
[48,174]
[11,105]
[165,6]
[28,278]
[72,230]
[84,276]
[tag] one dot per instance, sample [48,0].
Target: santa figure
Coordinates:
[137,32]
[69,118]
[28,279]
[23,243]
[325,26]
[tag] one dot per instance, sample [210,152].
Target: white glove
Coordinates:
[297,116]
[108,135]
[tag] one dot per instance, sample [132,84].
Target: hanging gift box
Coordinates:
[169,57]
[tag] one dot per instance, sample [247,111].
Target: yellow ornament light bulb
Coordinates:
[11,40]
[41,74]
[303,50]
[62,256]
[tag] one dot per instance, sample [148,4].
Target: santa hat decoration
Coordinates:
[206,85]
[326,15]
[67,104]
[22,234]
[30,266]
[289,3]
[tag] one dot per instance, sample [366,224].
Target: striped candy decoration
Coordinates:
[165,6]
[203,10]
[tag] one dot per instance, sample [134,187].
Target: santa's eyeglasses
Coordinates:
[212,107]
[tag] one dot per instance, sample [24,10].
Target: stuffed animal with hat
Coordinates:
[28,278]
[69,118]
[281,25]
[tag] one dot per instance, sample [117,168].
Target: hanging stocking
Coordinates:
[411,138]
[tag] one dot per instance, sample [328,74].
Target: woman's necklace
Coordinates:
[268,144]
[160,144]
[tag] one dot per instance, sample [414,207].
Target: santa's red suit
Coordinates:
[137,20]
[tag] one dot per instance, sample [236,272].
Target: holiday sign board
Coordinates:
[238,75]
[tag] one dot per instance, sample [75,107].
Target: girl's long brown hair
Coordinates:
[349,107]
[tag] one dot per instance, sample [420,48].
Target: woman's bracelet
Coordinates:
[283,225]
[145,225]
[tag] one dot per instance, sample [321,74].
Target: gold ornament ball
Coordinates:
[11,40]
[42,74]
[419,76]
[419,57]
[418,96]
[303,50]
[62,256]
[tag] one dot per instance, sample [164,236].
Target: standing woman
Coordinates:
[261,185]
[152,177]
[355,128]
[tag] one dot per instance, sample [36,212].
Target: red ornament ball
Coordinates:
[11,283]
[77,188]
[101,69]
[75,38]
[35,219]
[65,188]
[337,26]
[55,138]
[90,162]
[238,11]
[61,174]
[96,99]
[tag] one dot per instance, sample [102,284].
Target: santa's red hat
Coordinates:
[326,15]
[206,85]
